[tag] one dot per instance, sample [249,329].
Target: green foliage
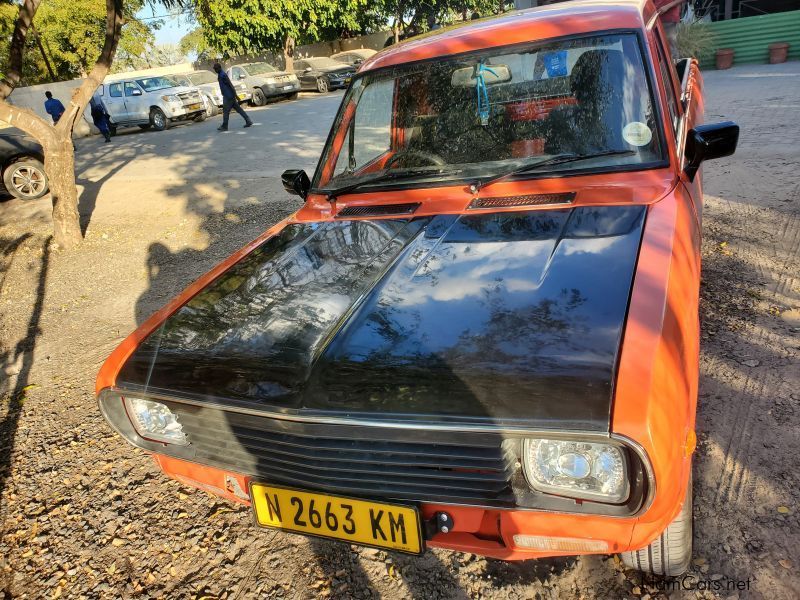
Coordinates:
[194,44]
[72,33]
[249,26]
[695,39]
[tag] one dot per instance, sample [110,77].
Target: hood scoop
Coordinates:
[381,210]
[527,200]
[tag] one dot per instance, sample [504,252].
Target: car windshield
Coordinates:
[322,63]
[260,68]
[150,84]
[202,77]
[581,103]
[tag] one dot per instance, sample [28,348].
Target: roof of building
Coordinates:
[544,22]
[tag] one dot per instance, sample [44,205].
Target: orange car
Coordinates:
[480,332]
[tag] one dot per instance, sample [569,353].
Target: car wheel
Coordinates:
[258,99]
[200,117]
[670,553]
[158,120]
[293,96]
[211,106]
[322,85]
[25,179]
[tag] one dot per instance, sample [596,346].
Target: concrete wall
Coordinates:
[33,97]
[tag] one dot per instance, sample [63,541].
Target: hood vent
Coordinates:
[529,200]
[380,210]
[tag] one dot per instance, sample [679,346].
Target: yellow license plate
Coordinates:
[242,96]
[194,106]
[393,526]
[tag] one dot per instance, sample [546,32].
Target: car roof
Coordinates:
[541,23]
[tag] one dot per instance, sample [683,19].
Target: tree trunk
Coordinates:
[288,54]
[59,163]
[56,141]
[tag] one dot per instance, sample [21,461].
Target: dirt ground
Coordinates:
[82,514]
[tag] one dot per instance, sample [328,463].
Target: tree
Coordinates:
[56,140]
[194,44]
[252,26]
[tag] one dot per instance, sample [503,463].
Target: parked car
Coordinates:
[480,331]
[354,58]
[22,168]
[323,74]
[207,83]
[150,102]
[265,81]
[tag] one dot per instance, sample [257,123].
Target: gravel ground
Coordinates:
[85,515]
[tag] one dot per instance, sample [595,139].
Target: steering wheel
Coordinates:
[431,158]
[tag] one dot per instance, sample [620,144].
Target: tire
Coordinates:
[259,98]
[211,107]
[293,96]
[670,553]
[25,179]
[322,85]
[158,120]
[200,117]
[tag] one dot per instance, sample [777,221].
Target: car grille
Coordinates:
[345,459]
[189,98]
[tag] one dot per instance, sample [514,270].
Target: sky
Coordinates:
[173,29]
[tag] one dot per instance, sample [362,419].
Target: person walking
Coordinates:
[100,116]
[230,99]
[53,107]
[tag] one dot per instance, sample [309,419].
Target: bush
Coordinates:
[695,39]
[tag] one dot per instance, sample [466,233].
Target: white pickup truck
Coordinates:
[150,102]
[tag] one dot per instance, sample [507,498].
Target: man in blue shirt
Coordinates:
[53,107]
[230,99]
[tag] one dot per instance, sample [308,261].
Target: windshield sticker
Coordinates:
[637,134]
[556,63]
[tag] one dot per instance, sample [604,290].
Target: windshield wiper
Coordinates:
[389,176]
[558,159]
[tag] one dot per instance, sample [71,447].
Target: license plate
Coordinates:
[365,522]
[347,79]
[287,87]
[193,106]
[242,96]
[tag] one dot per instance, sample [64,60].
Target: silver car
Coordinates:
[207,83]
[150,102]
[265,81]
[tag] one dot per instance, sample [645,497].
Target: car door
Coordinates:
[135,103]
[684,108]
[306,81]
[115,102]
[239,75]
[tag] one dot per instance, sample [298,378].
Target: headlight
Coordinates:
[155,421]
[170,98]
[577,469]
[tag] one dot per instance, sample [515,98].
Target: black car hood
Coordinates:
[344,70]
[505,318]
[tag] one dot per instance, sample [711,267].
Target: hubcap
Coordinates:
[158,119]
[28,181]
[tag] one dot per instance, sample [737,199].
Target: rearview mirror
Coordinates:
[467,77]
[136,92]
[296,182]
[706,142]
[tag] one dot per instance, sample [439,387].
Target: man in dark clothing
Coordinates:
[100,116]
[230,99]
[53,107]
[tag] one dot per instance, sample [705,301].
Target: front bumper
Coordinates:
[280,89]
[484,531]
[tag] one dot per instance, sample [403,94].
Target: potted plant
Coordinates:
[778,52]
[724,58]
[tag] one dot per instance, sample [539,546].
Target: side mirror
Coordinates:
[296,182]
[136,92]
[706,142]
[307,70]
